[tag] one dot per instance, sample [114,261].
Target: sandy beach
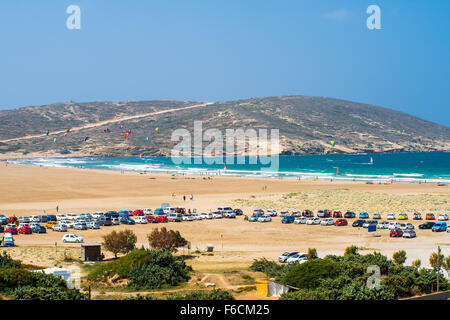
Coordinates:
[27,190]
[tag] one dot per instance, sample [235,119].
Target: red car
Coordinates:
[341,222]
[162,219]
[12,219]
[337,214]
[11,229]
[180,210]
[138,212]
[396,233]
[25,230]
[152,219]
[308,213]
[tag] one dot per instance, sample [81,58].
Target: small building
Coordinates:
[91,251]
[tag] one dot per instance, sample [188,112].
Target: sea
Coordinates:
[381,167]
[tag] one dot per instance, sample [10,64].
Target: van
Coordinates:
[439,227]
[8,240]
[175,217]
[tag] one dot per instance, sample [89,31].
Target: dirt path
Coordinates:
[102,123]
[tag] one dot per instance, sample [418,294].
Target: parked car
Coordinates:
[97,215]
[175,217]
[282,258]
[390,216]
[207,215]
[443,217]
[364,215]
[188,217]
[50,224]
[284,213]
[341,222]
[112,214]
[60,228]
[51,217]
[301,220]
[409,226]
[426,225]
[430,216]
[323,213]
[162,219]
[159,211]
[104,221]
[3,220]
[80,226]
[265,218]
[396,233]
[25,230]
[312,221]
[60,217]
[71,216]
[8,240]
[125,213]
[93,225]
[258,211]
[376,216]
[394,225]
[12,229]
[254,218]
[2,228]
[402,216]
[409,233]
[296,213]
[141,220]
[337,214]
[69,224]
[24,219]
[358,223]
[417,216]
[138,212]
[327,222]
[73,238]
[439,227]
[34,219]
[288,219]
[308,213]
[152,219]
[230,215]
[115,221]
[12,219]
[127,220]
[272,212]
[217,215]
[349,215]
[37,228]
[297,258]
[383,225]
[147,211]
[238,212]
[370,222]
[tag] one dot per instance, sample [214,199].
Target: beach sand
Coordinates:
[27,190]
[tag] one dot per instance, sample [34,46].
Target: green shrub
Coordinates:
[215,294]
[142,297]
[308,274]
[50,293]
[7,262]
[270,268]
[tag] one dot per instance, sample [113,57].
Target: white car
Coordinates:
[34,219]
[141,220]
[188,217]
[297,258]
[258,211]
[60,228]
[265,218]
[207,215]
[24,219]
[390,216]
[217,215]
[301,220]
[60,217]
[448,229]
[272,212]
[93,225]
[147,211]
[284,213]
[297,213]
[197,216]
[443,217]
[409,233]
[312,221]
[71,216]
[282,258]
[70,237]
[69,224]
[327,222]
[394,225]
[230,214]
[115,221]
[168,210]
[97,214]
[409,226]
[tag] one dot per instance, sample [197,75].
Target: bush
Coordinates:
[7,262]
[50,293]
[351,250]
[308,274]
[215,294]
[312,253]
[166,240]
[142,297]
[120,242]
[399,257]
[270,268]
[158,269]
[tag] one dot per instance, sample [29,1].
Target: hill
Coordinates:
[306,124]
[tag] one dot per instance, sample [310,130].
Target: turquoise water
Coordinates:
[408,167]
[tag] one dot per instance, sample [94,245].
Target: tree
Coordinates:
[446,264]
[120,242]
[312,253]
[164,239]
[416,264]
[399,257]
[351,250]
[436,263]
[309,274]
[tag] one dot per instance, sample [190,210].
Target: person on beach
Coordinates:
[192,197]
[184,198]
[57,208]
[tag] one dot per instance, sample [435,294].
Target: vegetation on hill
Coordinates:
[306,125]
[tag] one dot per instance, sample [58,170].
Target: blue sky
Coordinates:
[209,50]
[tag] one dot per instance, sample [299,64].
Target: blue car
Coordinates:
[126,220]
[112,214]
[159,211]
[43,218]
[288,219]
[439,227]
[3,220]
[125,213]
[364,215]
[51,217]
[254,218]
